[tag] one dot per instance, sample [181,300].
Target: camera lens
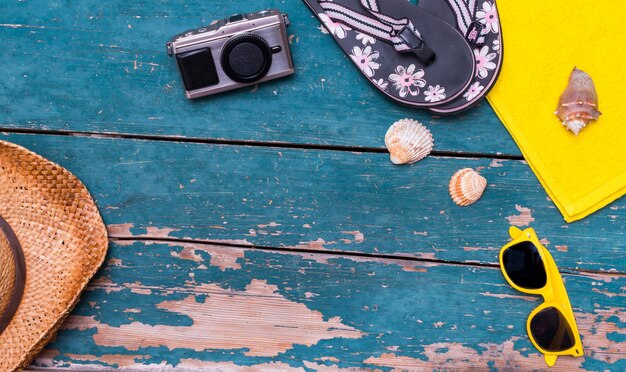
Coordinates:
[246,58]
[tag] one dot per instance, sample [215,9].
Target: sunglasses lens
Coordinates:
[524,266]
[551,331]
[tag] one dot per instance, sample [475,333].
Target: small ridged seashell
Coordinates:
[408,141]
[578,105]
[467,186]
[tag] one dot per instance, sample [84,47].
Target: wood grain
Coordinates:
[93,68]
[291,311]
[313,254]
[325,200]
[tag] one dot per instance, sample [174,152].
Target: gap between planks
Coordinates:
[335,253]
[341,253]
[215,141]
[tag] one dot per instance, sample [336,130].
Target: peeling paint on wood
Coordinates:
[496,163]
[195,364]
[124,230]
[119,229]
[358,236]
[387,219]
[118,360]
[317,245]
[218,302]
[219,257]
[291,312]
[222,320]
[503,295]
[329,367]
[523,219]
[561,248]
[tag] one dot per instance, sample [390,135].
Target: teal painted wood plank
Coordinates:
[99,67]
[324,200]
[160,305]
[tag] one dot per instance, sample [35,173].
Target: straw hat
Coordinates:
[52,241]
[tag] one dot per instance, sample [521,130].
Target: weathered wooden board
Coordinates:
[319,290]
[90,66]
[195,306]
[324,200]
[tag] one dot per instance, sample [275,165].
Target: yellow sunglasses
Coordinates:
[528,267]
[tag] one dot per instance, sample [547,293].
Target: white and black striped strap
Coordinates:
[401,33]
[465,12]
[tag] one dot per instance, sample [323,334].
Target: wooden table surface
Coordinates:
[266,229]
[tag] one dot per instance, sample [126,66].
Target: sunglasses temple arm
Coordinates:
[550,360]
[514,232]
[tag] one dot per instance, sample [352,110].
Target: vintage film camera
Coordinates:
[231,53]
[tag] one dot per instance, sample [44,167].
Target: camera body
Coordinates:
[231,53]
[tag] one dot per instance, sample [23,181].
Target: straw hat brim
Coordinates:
[64,242]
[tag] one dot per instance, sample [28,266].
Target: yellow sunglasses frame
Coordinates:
[553,293]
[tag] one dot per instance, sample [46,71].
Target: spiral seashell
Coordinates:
[467,186]
[578,105]
[408,141]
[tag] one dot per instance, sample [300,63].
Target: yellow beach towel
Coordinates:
[543,42]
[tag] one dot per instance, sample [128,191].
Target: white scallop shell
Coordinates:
[467,186]
[408,141]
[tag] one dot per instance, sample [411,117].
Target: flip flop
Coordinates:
[410,55]
[479,21]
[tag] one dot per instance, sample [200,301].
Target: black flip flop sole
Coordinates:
[489,57]
[402,76]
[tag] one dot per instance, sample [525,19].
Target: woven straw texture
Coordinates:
[64,242]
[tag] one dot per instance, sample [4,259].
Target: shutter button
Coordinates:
[236,18]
